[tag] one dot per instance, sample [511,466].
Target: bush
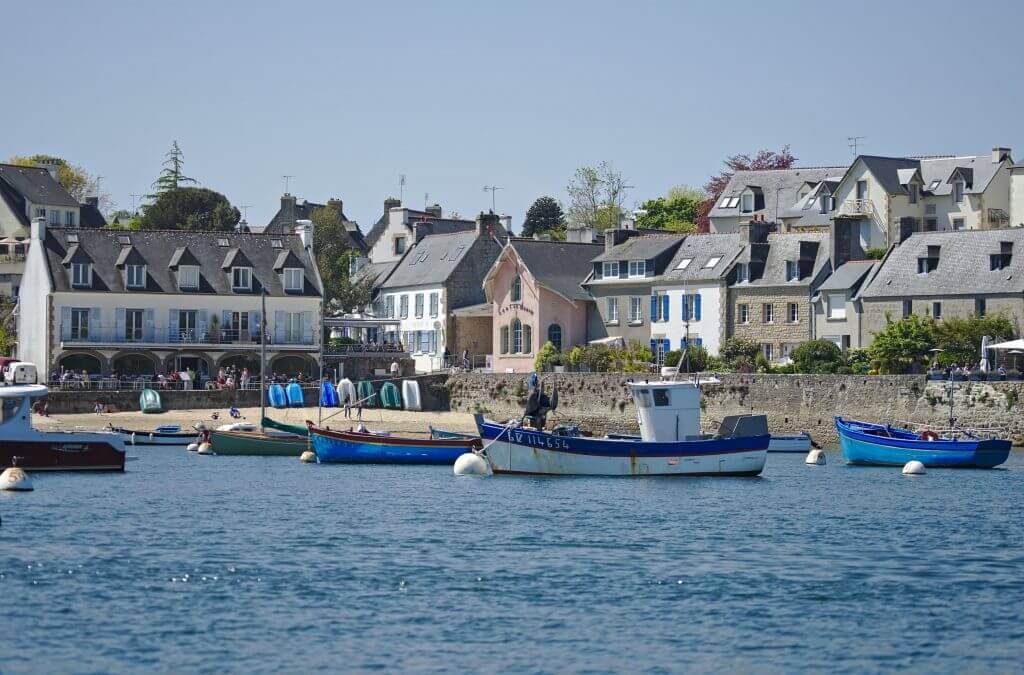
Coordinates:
[547,357]
[739,354]
[902,346]
[817,357]
[960,339]
[699,359]
[858,362]
[672,358]
[875,253]
[339,342]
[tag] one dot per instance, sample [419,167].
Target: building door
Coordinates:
[187,325]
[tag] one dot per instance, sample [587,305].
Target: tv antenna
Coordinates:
[492,189]
[286,180]
[854,142]
[134,197]
[426,200]
[245,211]
[401,186]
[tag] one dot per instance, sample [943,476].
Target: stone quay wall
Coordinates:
[600,402]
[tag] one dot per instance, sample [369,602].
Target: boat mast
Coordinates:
[263,355]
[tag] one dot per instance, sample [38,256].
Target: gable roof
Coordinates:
[779,188]
[157,248]
[431,260]
[848,275]
[643,247]
[963,269]
[36,185]
[808,248]
[560,266]
[893,173]
[700,249]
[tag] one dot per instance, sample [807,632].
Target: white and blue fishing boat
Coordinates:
[670,444]
[364,447]
[886,445]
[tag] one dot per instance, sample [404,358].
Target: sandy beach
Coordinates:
[392,420]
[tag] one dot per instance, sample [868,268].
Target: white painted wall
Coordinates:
[384,248]
[1017,197]
[426,361]
[709,328]
[33,306]
[847,192]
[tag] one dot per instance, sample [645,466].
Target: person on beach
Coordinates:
[394,369]
[348,407]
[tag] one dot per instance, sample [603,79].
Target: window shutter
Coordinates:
[119,320]
[682,343]
[698,342]
[65,323]
[172,325]
[148,325]
[686,308]
[503,341]
[666,346]
[278,326]
[225,320]
[654,308]
[254,324]
[307,328]
[95,331]
[623,269]
[696,307]
[202,319]
[664,307]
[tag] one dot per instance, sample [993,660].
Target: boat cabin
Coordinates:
[667,411]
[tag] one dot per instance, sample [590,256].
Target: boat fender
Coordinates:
[308,457]
[928,435]
[16,480]
[815,457]
[471,464]
[205,448]
[913,468]
[192,447]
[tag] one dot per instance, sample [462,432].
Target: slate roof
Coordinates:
[157,248]
[781,184]
[847,276]
[90,216]
[701,249]
[807,211]
[963,268]
[431,260]
[644,247]
[36,185]
[811,247]
[894,172]
[558,265]
[303,210]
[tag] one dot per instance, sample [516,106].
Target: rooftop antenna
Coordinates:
[245,211]
[426,200]
[492,189]
[854,142]
[286,179]
[134,197]
[401,186]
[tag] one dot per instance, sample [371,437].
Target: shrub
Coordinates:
[817,356]
[960,339]
[739,354]
[875,253]
[902,346]
[547,356]
[858,362]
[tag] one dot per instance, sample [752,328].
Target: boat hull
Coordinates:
[58,455]
[142,438]
[255,444]
[790,443]
[860,445]
[360,448]
[524,451]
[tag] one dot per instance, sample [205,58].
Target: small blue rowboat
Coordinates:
[884,445]
[367,448]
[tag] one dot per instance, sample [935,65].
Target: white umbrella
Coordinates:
[1012,344]
[983,366]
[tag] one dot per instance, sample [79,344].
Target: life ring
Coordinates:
[928,435]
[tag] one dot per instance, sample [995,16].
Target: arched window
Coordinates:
[517,289]
[504,340]
[517,336]
[527,339]
[555,336]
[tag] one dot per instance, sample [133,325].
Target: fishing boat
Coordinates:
[37,450]
[887,445]
[363,447]
[670,443]
[162,435]
[266,443]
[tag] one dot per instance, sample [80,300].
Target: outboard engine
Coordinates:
[538,405]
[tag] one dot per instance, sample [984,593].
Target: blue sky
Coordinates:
[458,95]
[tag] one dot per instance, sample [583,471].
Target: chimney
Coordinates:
[38,229]
[613,238]
[391,203]
[486,224]
[336,202]
[907,227]
[755,231]
[420,229]
[304,228]
[506,223]
[288,210]
[434,210]
[999,154]
[51,165]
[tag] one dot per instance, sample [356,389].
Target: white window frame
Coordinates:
[81,275]
[610,268]
[637,269]
[292,327]
[742,273]
[936,305]
[768,312]
[835,310]
[792,270]
[712,261]
[130,274]
[83,322]
[291,279]
[399,240]
[185,277]
[684,263]
[246,274]
[611,310]
[747,202]
[768,351]
[134,333]
[636,310]
[793,312]
[743,311]
[54,217]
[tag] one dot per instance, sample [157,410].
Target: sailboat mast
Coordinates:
[263,355]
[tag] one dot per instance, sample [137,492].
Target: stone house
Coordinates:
[535,293]
[438,275]
[621,284]
[292,211]
[766,195]
[947,274]
[771,286]
[153,301]
[692,293]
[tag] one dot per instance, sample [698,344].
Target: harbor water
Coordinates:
[235,564]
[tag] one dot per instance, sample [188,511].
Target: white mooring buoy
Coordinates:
[913,468]
[816,457]
[192,447]
[205,449]
[307,457]
[15,480]
[471,464]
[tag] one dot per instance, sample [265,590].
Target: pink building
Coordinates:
[534,290]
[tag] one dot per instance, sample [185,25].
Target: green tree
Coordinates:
[189,208]
[77,181]
[343,290]
[739,354]
[693,359]
[902,346]
[818,357]
[596,196]
[544,217]
[960,339]
[171,176]
[547,356]
[676,212]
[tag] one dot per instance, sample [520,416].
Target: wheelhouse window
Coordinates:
[610,269]
[637,268]
[241,278]
[135,276]
[293,279]
[661,397]
[81,274]
[188,277]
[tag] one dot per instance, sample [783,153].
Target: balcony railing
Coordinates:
[856,207]
[365,348]
[998,217]
[106,334]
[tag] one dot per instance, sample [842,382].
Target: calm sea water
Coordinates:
[213,564]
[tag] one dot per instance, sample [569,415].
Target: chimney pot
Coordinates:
[999,154]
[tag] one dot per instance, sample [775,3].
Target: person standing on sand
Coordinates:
[394,369]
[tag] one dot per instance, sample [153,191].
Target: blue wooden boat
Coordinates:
[368,448]
[277,397]
[885,445]
[296,399]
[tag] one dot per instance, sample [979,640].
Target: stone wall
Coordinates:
[601,403]
[876,309]
[781,331]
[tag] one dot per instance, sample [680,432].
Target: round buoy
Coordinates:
[913,468]
[307,457]
[192,447]
[471,464]
[15,480]
[133,438]
[816,457]
[205,449]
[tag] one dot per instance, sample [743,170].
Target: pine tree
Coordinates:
[171,176]
[544,215]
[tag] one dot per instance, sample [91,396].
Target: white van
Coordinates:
[21,372]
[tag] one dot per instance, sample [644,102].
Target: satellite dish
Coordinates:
[437,325]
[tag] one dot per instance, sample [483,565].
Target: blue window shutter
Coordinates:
[664,307]
[654,347]
[682,343]
[95,330]
[686,308]
[172,325]
[697,342]
[225,320]
[65,323]
[307,328]
[254,324]
[148,325]
[654,308]
[696,307]
[278,326]
[666,346]
[120,324]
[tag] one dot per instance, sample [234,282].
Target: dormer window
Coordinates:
[188,277]
[637,268]
[1001,260]
[742,273]
[241,278]
[912,193]
[714,260]
[747,203]
[792,270]
[81,275]
[275,243]
[934,185]
[293,279]
[135,276]
[958,192]
[124,240]
[222,241]
[930,262]
[610,269]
